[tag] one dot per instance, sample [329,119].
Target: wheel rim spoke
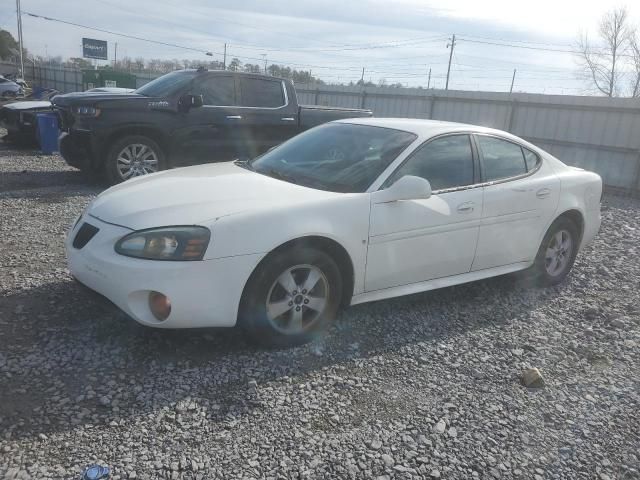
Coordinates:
[142,150]
[275,309]
[312,280]
[295,324]
[316,303]
[287,281]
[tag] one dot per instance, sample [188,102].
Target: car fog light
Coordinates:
[160,305]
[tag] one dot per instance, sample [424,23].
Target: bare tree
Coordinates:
[602,65]
[634,49]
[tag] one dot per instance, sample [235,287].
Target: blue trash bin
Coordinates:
[47,133]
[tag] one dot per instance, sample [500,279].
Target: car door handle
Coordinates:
[543,193]
[466,207]
[288,119]
[234,117]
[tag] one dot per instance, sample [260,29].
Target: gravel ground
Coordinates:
[426,386]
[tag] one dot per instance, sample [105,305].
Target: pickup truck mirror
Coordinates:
[408,187]
[187,102]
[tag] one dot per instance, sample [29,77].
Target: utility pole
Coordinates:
[265,62]
[224,59]
[19,13]
[513,79]
[452,45]
[362,77]
[429,79]
[115,57]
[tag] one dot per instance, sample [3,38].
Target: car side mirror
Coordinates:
[408,187]
[187,102]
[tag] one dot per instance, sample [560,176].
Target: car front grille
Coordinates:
[85,233]
[9,118]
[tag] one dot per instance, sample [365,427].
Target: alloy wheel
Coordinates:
[135,160]
[559,251]
[297,299]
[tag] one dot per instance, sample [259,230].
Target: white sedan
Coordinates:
[345,213]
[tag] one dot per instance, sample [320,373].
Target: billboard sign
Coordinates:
[92,48]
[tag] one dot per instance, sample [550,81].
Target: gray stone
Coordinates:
[532,378]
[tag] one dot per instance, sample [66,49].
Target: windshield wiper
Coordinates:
[244,164]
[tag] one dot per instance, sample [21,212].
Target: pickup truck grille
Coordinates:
[9,118]
[65,118]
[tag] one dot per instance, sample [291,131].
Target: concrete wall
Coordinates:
[596,133]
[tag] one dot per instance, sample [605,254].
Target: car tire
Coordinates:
[143,153]
[276,309]
[556,254]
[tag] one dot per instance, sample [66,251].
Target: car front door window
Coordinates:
[446,162]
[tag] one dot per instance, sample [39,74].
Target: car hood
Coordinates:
[196,195]
[28,105]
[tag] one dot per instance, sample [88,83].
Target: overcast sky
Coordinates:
[398,40]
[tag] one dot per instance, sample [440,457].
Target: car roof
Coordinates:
[422,127]
[205,71]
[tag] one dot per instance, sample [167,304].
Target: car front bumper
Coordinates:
[202,293]
[78,149]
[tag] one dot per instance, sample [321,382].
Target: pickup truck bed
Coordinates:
[313,115]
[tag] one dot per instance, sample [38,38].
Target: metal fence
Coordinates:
[596,133]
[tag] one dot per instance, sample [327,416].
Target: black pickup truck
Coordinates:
[183,118]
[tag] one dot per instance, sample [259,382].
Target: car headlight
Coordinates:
[86,111]
[167,243]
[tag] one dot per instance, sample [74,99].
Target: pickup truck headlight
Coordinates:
[167,243]
[86,111]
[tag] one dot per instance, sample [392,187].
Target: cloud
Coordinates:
[308,35]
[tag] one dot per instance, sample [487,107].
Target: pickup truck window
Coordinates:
[215,90]
[338,157]
[167,84]
[261,93]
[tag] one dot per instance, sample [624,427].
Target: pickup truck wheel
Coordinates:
[133,156]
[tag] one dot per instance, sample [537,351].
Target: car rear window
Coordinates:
[261,93]
[531,159]
[215,90]
[500,158]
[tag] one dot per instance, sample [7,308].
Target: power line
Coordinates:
[174,45]
[110,32]
[544,49]
[343,49]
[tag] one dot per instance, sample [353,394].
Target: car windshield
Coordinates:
[166,85]
[339,157]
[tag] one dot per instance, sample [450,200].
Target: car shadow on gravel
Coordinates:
[64,338]
[31,179]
